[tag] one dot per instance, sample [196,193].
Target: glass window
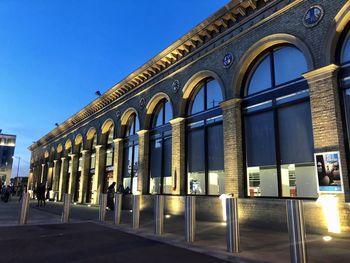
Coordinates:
[156,166]
[346,51]
[289,64]
[168,112]
[214,95]
[278,129]
[198,103]
[261,78]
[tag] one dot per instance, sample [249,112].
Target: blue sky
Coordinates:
[54,54]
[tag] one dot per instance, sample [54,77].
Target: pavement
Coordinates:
[85,239]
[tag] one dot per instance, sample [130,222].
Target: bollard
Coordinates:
[66,208]
[117,207]
[190,218]
[296,229]
[102,207]
[24,209]
[136,211]
[232,225]
[159,215]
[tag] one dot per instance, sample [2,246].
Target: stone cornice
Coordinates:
[210,29]
[321,73]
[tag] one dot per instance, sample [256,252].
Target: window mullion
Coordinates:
[277,152]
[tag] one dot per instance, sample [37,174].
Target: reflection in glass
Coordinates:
[198,103]
[346,51]
[289,64]
[214,95]
[261,78]
[262,181]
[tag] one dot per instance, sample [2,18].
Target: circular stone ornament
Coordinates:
[227,60]
[313,16]
[142,103]
[176,86]
[118,114]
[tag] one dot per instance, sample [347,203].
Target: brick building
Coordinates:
[7,150]
[254,101]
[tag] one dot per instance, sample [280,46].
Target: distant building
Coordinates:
[7,150]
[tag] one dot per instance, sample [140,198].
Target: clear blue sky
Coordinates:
[54,54]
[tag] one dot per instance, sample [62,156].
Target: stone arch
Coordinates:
[78,139]
[335,31]
[91,133]
[192,83]
[124,119]
[259,47]
[68,145]
[152,104]
[59,148]
[46,154]
[106,126]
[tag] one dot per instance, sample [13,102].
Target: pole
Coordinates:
[232,225]
[159,215]
[102,208]
[117,207]
[136,211]
[296,230]
[24,209]
[190,218]
[66,208]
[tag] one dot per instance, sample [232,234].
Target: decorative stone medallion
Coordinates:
[175,86]
[313,16]
[118,114]
[142,103]
[227,60]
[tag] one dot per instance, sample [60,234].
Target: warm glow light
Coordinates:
[223,204]
[223,223]
[75,203]
[89,205]
[167,216]
[331,212]
[327,238]
[130,211]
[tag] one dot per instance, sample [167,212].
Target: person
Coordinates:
[110,196]
[22,190]
[41,195]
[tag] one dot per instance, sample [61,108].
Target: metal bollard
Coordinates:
[159,215]
[232,225]
[296,229]
[24,209]
[136,211]
[117,207]
[66,208]
[190,218]
[102,207]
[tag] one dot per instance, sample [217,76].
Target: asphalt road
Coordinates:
[87,242]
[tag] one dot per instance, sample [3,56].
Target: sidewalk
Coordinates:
[257,245]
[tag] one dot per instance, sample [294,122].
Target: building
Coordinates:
[7,150]
[254,101]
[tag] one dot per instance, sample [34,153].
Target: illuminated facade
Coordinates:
[254,101]
[7,150]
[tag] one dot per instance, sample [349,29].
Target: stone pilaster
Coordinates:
[118,161]
[84,176]
[143,161]
[178,161]
[326,115]
[73,175]
[63,177]
[99,172]
[50,173]
[42,173]
[233,147]
[56,175]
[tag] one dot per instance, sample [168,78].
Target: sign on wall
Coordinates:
[328,172]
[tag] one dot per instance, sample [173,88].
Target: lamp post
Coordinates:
[19,161]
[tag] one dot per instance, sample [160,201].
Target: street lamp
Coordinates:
[19,161]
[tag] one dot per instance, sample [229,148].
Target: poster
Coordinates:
[328,172]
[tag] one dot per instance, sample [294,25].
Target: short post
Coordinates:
[66,208]
[159,215]
[136,211]
[296,230]
[102,207]
[24,209]
[117,207]
[190,218]
[232,225]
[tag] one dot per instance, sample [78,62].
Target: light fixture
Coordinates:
[98,93]
[56,124]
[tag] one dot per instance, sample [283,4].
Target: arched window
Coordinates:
[205,151]
[277,125]
[161,150]
[92,146]
[130,155]
[109,136]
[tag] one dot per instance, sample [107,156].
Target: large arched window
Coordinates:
[92,146]
[109,158]
[160,149]
[277,125]
[130,155]
[205,153]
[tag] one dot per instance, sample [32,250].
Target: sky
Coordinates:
[54,55]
